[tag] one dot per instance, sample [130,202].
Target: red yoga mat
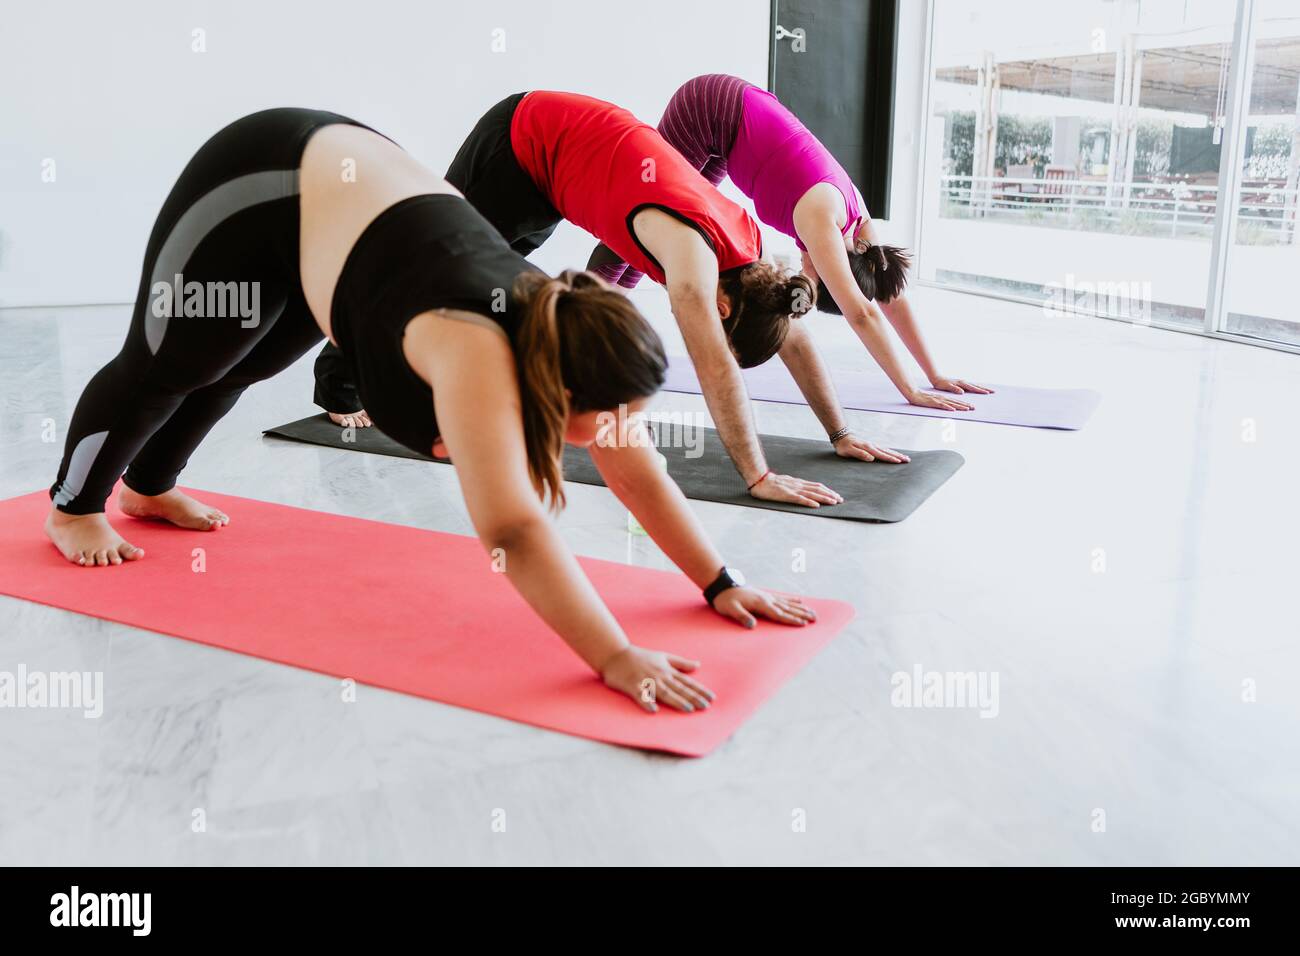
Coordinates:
[422,613]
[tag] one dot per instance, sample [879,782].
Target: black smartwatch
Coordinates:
[727,578]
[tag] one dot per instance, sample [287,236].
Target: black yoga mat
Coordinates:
[873,491]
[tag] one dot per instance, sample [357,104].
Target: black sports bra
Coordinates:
[426,252]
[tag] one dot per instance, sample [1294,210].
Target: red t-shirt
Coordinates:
[599,165]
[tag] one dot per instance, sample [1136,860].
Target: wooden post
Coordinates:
[1116,122]
[1131,118]
[1290,200]
[984,160]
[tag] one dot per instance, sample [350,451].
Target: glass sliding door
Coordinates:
[1264,259]
[1072,152]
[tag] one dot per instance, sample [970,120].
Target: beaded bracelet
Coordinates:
[840,433]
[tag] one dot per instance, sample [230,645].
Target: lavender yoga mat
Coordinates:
[1063,408]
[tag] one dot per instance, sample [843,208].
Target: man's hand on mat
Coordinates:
[959,385]
[651,677]
[926,400]
[776,487]
[851,446]
[741,604]
[350,419]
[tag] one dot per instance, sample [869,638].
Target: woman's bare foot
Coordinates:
[174,506]
[350,419]
[89,540]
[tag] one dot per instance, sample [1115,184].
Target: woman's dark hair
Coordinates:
[763,298]
[880,272]
[577,334]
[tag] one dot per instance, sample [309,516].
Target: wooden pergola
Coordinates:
[1186,79]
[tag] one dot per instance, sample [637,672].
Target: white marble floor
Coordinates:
[1147,712]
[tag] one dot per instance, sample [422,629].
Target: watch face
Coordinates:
[736,576]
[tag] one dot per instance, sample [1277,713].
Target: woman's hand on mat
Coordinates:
[776,487]
[958,385]
[851,446]
[654,677]
[741,604]
[351,419]
[926,400]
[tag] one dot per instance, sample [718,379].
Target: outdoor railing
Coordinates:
[1266,211]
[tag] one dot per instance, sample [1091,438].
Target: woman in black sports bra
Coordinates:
[291,225]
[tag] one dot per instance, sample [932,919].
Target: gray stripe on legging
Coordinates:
[198,220]
[83,457]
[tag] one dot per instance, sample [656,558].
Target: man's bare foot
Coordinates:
[89,540]
[350,419]
[174,506]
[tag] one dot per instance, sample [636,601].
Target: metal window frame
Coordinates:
[1241,78]
[1241,71]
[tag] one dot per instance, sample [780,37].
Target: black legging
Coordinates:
[229,229]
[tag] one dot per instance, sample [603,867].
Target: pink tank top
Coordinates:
[775,161]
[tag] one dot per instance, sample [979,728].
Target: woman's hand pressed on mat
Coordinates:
[650,677]
[954,386]
[930,400]
[958,385]
[742,603]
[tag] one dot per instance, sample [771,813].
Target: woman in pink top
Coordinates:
[726,126]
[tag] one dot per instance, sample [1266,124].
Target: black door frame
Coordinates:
[879,97]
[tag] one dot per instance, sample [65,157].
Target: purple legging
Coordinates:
[700,122]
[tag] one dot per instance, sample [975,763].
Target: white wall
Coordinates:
[114,94]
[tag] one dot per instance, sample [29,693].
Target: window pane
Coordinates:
[1267,248]
[1073,158]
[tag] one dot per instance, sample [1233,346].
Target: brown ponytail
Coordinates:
[541,382]
[763,298]
[581,336]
